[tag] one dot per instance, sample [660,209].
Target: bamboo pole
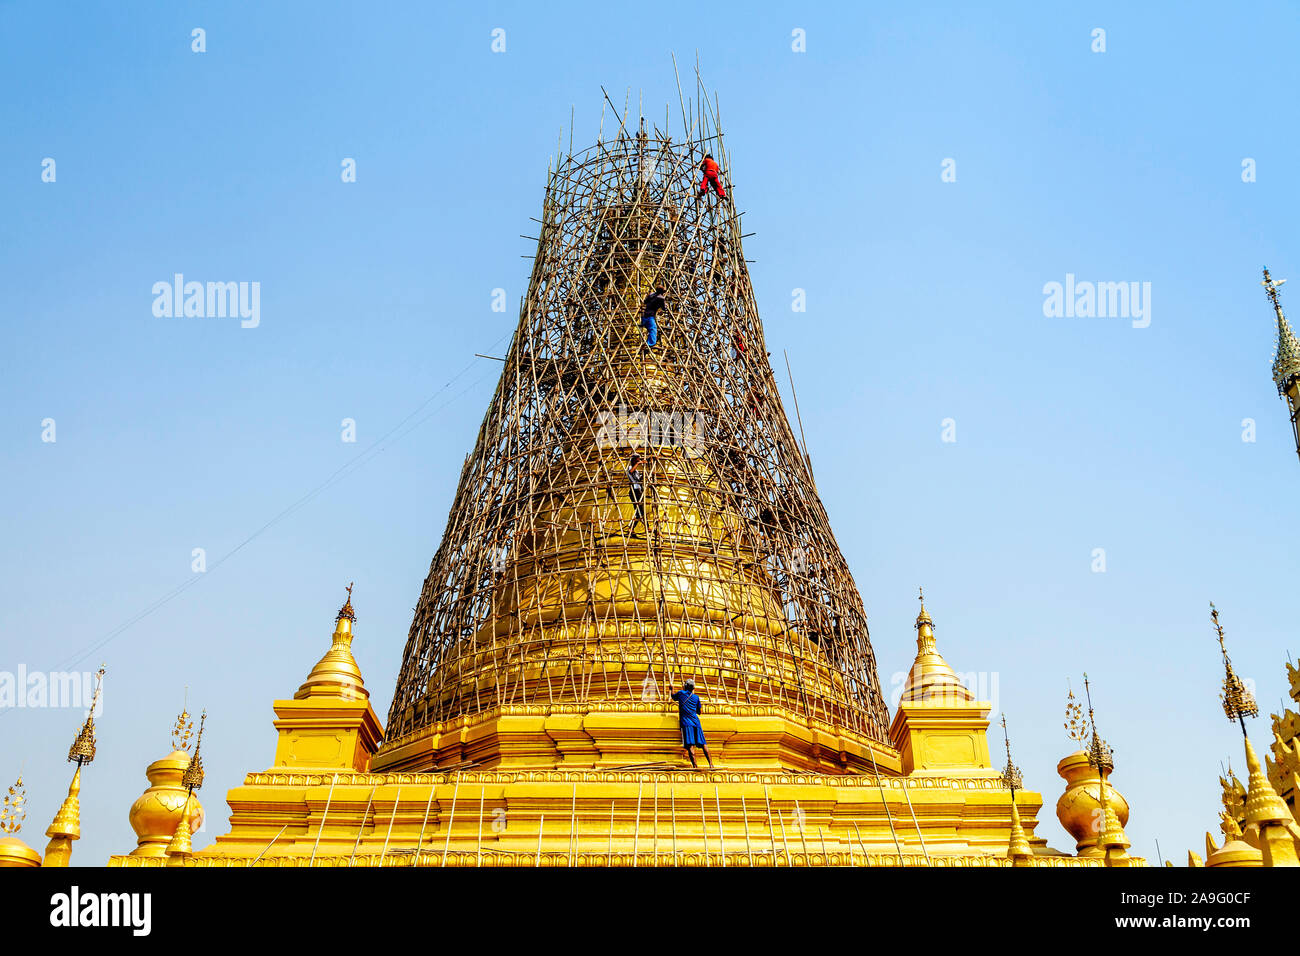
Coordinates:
[771,833]
[800,818]
[885,805]
[424,825]
[267,847]
[915,822]
[744,816]
[323,817]
[389,832]
[722,836]
[361,829]
[704,825]
[636,825]
[451,819]
[482,794]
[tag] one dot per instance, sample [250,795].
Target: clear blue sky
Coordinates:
[924,303]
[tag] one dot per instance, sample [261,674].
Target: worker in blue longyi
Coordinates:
[688,715]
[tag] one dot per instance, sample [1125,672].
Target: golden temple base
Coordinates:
[617,818]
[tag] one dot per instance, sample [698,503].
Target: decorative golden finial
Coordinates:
[192,778]
[1075,726]
[1286,360]
[1100,756]
[13,810]
[183,731]
[925,640]
[1011,774]
[82,750]
[1238,702]
[345,612]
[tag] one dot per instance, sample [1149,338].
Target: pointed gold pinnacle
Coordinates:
[345,612]
[1100,756]
[1238,702]
[1011,776]
[192,778]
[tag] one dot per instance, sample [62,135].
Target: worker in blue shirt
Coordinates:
[688,715]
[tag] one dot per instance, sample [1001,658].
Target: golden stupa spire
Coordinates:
[1286,358]
[181,848]
[337,674]
[1286,361]
[66,825]
[1102,759]
[1018,850]
[1266,813]
[931,678]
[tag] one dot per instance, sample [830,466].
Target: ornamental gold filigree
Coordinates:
[1011,775]
[82,750]
[183,731]
[13,809]
[192,778]
[1238,702]
[1076,727]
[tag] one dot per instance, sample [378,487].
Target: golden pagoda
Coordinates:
[532,723]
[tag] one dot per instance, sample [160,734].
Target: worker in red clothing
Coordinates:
[711,175]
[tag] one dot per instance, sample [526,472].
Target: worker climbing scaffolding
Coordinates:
[649,309]
[712,173]
[688,720]
[636,492]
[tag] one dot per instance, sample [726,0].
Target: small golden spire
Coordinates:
[82,750]
[66,825]
[931,679]
[1018,849]
[13,809]
[336,674]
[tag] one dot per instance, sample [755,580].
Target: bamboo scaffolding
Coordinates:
[545,588]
